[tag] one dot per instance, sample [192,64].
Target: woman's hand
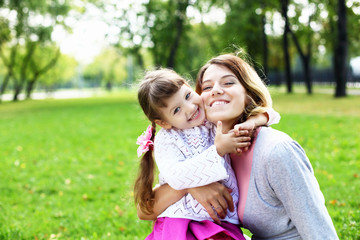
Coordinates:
[215,198]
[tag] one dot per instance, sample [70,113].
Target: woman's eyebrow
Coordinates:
[225,76]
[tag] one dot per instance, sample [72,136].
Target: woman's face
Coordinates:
[223,95]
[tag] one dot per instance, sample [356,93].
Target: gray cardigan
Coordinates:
[284,200]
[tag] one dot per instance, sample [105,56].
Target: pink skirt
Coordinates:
[186,229]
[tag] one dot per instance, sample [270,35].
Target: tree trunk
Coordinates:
[108,86]
[264,41]
[340,64]
[10,66]
[30,87]
[38,73]
[305,58]
[18,86]
[180,18]
[17,90]
[307,74]
[288,77]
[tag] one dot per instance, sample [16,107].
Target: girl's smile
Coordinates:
[184,110]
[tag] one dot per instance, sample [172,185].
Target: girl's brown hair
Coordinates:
[258,96]
[156,87]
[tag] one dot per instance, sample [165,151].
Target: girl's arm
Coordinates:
[214,194]
[262,119]
[268,118]
[164,197]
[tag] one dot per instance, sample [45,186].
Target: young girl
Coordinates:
[189,152]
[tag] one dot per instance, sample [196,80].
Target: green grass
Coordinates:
[67,166]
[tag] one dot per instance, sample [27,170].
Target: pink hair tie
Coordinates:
[144,141]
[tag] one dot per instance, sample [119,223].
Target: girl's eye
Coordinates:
[187,96]
[176,110]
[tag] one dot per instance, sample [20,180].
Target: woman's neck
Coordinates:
[227,126]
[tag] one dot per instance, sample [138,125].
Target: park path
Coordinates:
[59,94]
[85,93]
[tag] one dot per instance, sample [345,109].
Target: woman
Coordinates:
[279,194]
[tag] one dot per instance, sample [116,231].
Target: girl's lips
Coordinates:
[195,115]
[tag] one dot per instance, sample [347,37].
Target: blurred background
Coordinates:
[47,46]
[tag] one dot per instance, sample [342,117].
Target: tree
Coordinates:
[32,24]
[63,72]
[167,21]
[288,76]
[39,68]
[341,51]
[304,36]
[108,68]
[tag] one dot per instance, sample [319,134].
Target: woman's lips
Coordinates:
[218,102]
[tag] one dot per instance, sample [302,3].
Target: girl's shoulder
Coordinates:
[174,133]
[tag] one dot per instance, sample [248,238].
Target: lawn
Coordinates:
[67,166]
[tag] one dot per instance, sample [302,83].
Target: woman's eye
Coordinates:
[229,83]
[187,96]
[176,110]
[206,88]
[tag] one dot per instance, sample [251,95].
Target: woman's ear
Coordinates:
[163,124]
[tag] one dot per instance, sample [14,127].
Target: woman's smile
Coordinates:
[224,96]
[218,103]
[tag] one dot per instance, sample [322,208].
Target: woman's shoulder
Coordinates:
[276,147]
[272,142]
[272,137]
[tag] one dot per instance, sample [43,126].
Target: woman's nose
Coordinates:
[216,89]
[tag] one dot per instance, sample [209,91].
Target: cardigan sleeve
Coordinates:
[182,172]
[291,176]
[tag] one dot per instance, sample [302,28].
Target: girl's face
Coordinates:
[185,109]
[223,95]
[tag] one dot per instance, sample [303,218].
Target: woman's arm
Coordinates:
[215,198]
[291,177]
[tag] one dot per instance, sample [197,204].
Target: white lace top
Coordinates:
[188,158]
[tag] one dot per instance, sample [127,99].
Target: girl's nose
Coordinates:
[189,107]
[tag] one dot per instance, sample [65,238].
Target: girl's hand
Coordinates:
[248,125]
[252,123]
[230,142]
[215,198]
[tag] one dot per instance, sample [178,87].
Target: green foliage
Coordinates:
[108,68]
[63,72]
[68,166]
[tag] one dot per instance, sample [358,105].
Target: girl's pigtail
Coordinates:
[143,189]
